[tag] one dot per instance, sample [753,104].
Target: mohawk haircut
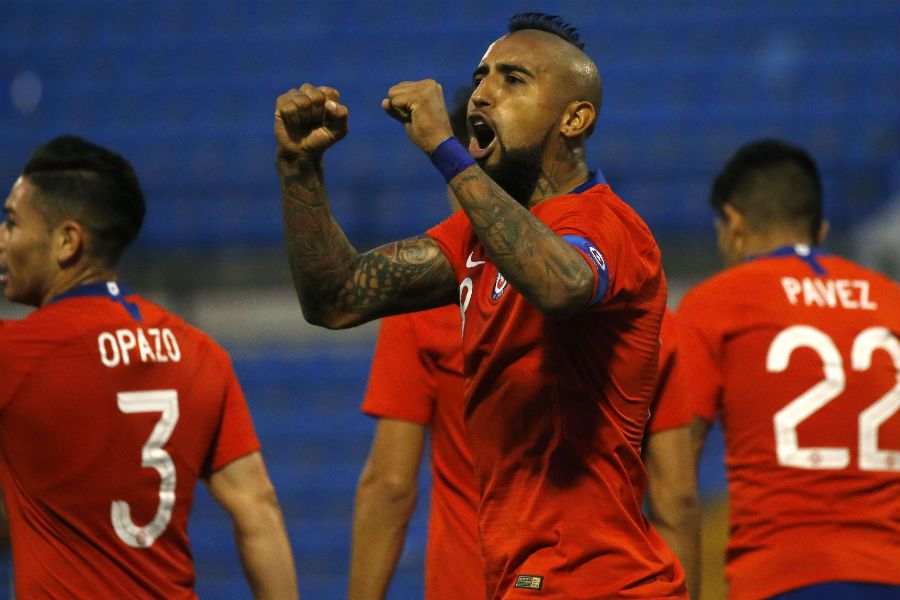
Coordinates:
[87,183]
[772,183]
[549,23]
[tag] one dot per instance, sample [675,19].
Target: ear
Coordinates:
[734,220]
[70,239]
[577,118]
[823,231]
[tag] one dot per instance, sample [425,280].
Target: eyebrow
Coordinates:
[504,68]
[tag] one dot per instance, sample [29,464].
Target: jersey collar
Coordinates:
[113,290]
[594,178]
[808,254]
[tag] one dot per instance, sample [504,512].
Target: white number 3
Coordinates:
[152,456]
[786,420]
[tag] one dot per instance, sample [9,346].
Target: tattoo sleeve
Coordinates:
[339,287]
[542,266]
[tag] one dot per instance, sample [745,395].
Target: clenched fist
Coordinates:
[308,121]
[419,105]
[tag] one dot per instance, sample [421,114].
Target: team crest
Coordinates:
[500,285]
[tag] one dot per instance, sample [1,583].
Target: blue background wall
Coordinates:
[187,90]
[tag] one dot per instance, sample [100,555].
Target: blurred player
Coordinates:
[416,382]
[112,408]
[673,499]
[561,292]
[796,350]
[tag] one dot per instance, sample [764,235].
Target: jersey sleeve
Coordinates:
[699,351]
[619,250]
[451,236]
[401,380]
[670,408]
[236,437]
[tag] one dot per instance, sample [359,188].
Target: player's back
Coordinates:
[110,412]
[807,348]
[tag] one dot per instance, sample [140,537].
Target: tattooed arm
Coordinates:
[338,287]
[539,264]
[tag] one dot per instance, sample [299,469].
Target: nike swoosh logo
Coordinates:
[473,263]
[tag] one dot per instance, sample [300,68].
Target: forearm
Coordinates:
[679,525]
[542,266]
[320,256]
[380,521]
[265,552]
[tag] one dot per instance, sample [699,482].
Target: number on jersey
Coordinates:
[786,420]
[152,456]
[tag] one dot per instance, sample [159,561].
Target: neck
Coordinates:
[558,178]
[768,242]
[66,280]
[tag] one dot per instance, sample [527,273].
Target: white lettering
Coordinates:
[171,343]
[863,286]
[106,341]
[115,348]
[826,289]
[127,342]
[792,288]
[846,294]
[833,293]
[157,339]
[144,347]
[810,294]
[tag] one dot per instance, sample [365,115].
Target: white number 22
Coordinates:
[152,456]
[786,420]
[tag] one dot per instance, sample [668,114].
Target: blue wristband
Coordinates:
[451,158]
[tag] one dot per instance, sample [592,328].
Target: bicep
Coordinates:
[399,277]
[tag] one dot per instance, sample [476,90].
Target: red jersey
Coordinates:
[797,352]
[111,408]
[417,376]
[555,410]
[670,408]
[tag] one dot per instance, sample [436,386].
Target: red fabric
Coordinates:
[670,409]
[417,376]
[555,411]
[794,526]
[68,451]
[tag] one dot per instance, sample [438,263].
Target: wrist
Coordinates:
[450,158]
[295,163]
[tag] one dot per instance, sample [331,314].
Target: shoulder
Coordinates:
[156,315]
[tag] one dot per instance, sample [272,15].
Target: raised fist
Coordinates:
[420,106]
[308,121]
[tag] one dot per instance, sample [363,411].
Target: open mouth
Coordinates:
[483,136]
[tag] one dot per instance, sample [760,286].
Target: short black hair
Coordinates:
[92,185]
[549,23]
[772,183]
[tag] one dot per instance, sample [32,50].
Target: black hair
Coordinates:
[549,23]
[771,183]
[87,183]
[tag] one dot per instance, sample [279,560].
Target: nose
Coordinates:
[483,95]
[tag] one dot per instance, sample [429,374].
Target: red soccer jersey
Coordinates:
[797,352]
[670,408]
[555,411]
[417,376]
[110,410]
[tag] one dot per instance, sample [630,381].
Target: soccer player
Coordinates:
[416,382]
[111,408]
[673,500]
[561,292]
[797,351]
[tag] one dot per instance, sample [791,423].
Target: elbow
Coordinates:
[397,492]
[330,319]
[567,298]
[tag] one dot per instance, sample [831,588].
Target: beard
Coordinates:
[517,172]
